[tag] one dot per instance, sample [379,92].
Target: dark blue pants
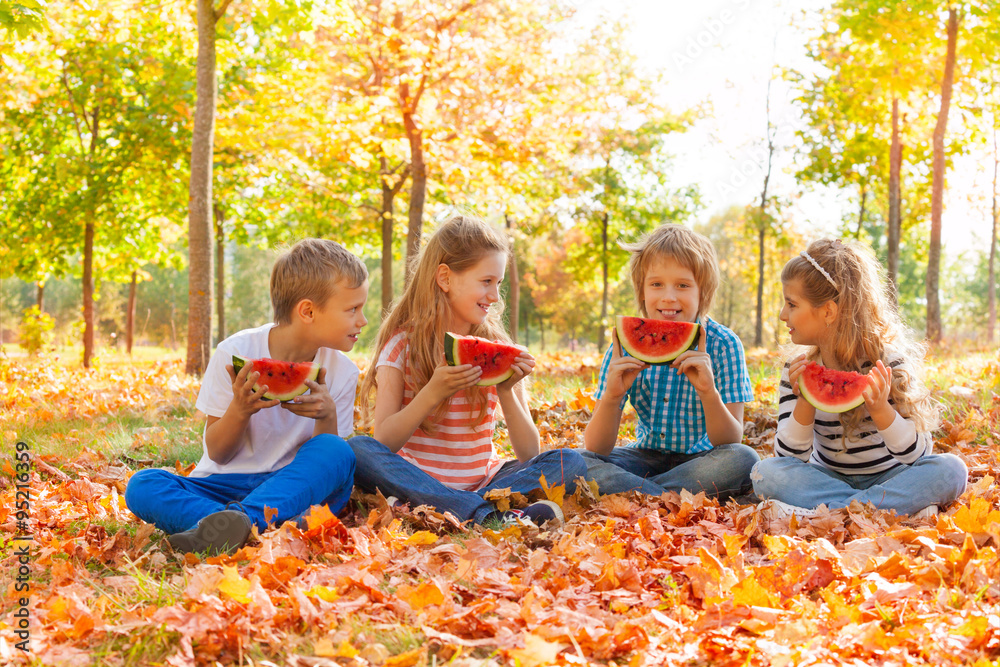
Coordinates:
[380,468]
[322,472]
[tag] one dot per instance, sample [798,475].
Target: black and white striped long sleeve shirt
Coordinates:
[865,452]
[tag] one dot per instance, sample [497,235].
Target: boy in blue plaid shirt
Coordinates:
[690,412]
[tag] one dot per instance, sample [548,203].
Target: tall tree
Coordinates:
[937,192]
[199,339]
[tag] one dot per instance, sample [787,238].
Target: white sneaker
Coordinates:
[930,510]
[775,509]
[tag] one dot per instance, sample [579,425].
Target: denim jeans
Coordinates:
[322,472]
[380,468]
[937,479]
[721,472]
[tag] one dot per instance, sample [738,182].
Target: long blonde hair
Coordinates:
[867,327]
[423,311]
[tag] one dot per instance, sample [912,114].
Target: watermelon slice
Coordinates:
[496,359]
[832,391]
[284,379]
[655,341]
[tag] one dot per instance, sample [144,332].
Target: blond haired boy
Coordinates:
[263,453]
[690,412]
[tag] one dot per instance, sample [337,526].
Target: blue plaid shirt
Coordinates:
[670,415]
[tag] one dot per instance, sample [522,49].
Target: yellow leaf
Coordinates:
[421,596]
[536,652]
[976,517]
[421,537]
[324,593]
[749,592]
[975,627]
[554,493]
[778,545]
[324,648]
[234,585]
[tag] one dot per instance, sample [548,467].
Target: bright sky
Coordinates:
[723,52]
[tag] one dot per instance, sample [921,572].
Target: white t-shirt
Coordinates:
[274,435]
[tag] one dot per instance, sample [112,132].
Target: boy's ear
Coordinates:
[305,310]
[443,277]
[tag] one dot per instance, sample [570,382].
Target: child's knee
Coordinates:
[954,475]
[337,453]
[144,485]
[765,475]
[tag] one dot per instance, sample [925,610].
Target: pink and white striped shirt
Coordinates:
[460,453]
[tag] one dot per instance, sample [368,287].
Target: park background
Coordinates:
[144,193]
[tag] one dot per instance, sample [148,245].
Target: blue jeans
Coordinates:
[936,479]
[380,468]
[721,472]
[322,472]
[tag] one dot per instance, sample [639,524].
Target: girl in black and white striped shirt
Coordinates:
[837,305]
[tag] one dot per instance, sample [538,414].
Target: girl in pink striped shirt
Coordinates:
[433,425]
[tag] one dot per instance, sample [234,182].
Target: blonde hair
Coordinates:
[688,248]
[311,269]
[423,310]
[867,327]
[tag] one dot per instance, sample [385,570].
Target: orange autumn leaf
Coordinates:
[537,651]
[421,596]
[555,493]
[421,538]
[750,593]
[976,517]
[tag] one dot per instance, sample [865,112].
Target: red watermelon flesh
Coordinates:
[496,359]
[832,391]
[284,379]
[655,341]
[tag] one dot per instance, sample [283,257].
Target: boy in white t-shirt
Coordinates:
[263,453]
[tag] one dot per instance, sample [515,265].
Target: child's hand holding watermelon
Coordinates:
[877,395]
[317,404]
[804,411]
[523,365]
[245,400]
[696,365]
[622,371]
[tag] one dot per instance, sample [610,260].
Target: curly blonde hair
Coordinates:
[423,310]
[868,326]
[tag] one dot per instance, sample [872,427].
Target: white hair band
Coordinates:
[820,269]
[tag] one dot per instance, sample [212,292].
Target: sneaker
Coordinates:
[219,532]
[775,509]
[537,513]
[930,510]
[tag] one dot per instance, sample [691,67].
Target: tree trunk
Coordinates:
[604,281]
[388,217]
[88,292]
[513,282]
[541,332]
[418,182]
[199,342]
[937,191]
[40,295]
[220,270]
[130,315]
[895,224]
[861,213]
[762,229]
[990,326]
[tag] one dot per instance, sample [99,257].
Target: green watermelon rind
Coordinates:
[239,362]
[831,408]
[451,356]
[663,359]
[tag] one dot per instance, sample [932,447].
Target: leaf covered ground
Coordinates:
[628,580]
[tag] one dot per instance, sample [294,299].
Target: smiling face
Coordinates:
[670,291]
[341,318]
[470,293]
[807,324]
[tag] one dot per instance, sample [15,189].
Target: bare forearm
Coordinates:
[396,429]
[224,435]
[521,429]
[601,433]
[721,425]
[327,425]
